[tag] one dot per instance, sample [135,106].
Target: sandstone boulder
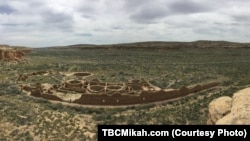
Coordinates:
[239,112]
[219,108]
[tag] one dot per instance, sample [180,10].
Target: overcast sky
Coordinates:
[39,23]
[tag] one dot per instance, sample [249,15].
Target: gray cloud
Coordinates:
[53,17]
[87,8]
[143,10]
[106,21]
[49,15]
[186,7]
[150,11]
[131,5]
[57,22]
[6,9]
[85,34]
[9,25]
[241,18]
[149,15]
[37,5]
[117,27]
[49,18]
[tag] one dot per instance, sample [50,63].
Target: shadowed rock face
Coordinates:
[235,110]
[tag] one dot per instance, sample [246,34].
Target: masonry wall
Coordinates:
[144,97]
[125,99]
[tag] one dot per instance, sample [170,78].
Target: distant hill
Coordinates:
[165,45]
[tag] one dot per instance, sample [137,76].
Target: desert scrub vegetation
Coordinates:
[28,118]
[37,119]
[171,68]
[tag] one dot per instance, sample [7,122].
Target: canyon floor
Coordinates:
[24,117]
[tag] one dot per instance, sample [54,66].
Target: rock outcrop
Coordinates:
[11,54]
[235,110]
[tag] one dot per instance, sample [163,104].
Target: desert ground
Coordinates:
[163,66]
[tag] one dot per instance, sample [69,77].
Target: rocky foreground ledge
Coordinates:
[231,110]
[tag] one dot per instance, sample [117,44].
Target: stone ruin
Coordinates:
[95,92]
[11,54]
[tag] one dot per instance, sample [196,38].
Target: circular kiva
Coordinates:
[73,83]
[82,74]
[114,87]
[96,88]
[95,82]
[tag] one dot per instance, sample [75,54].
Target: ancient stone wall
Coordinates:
[144,97]
[95,92]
